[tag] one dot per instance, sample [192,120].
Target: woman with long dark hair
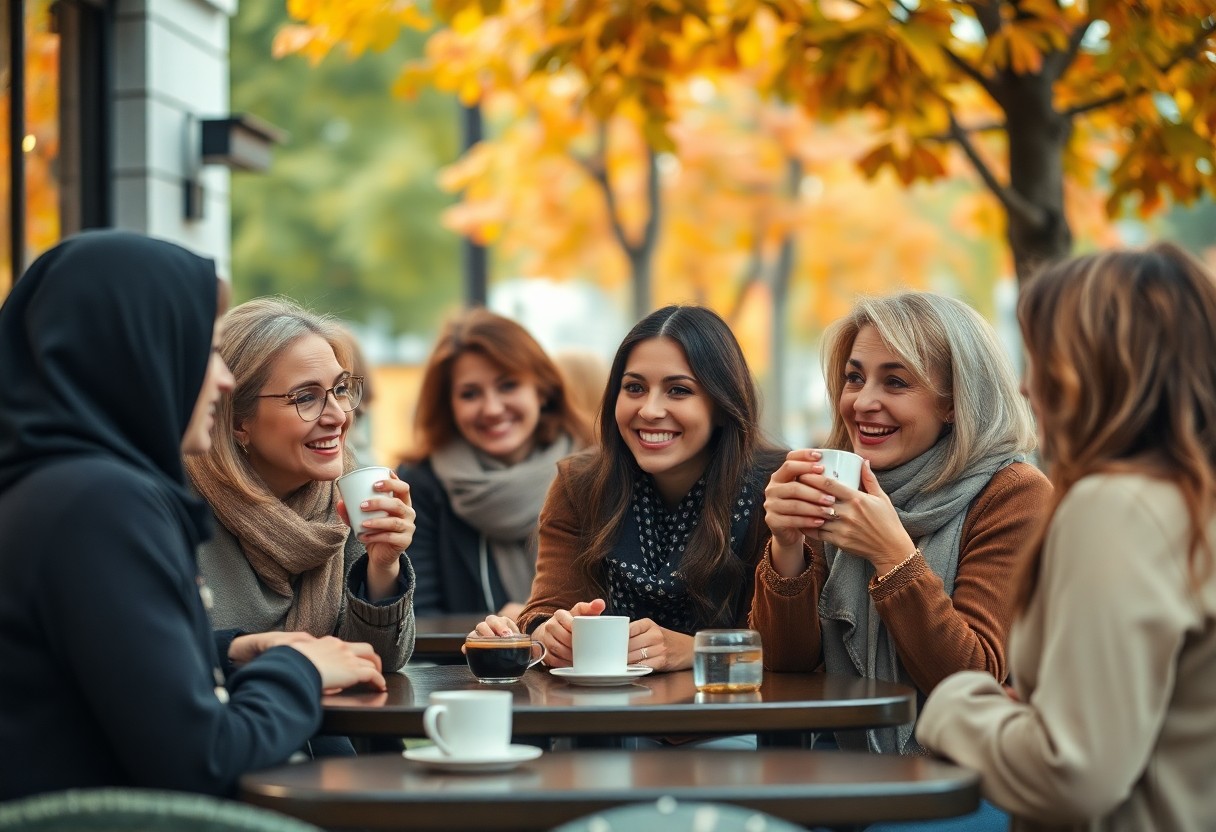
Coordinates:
[661,521]
[1109,725]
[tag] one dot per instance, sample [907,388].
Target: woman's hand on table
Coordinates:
[865,522]
[657,647]
[385,538]
[246,648]
[343,664]
[793,508]
[557,634]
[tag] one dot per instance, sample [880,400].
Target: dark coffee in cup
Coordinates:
[500,659]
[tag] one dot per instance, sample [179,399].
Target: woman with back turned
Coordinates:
[110,672]
[1111,725]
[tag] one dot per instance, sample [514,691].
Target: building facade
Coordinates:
[102,102]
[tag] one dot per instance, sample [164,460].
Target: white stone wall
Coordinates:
[171,64]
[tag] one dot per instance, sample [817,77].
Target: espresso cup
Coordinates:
[355,487]
[601,644]
[469,724]
[501,660]
[842,466]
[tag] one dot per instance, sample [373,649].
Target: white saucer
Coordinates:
[601,680]
[432,757]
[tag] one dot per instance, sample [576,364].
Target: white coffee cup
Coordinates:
[469,724]
[842,466]
[356,487]
[601,644]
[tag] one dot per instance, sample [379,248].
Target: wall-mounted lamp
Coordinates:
[239,141]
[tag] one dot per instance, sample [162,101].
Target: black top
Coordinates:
[450,574]
[108,666]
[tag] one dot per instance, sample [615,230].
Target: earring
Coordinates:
[244,448]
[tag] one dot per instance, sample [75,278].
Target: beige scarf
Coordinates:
[502,502]
[294,545]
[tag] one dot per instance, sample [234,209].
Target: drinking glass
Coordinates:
[727,661]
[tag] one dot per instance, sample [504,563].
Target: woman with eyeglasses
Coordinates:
[283,556]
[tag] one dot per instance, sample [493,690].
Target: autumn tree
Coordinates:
[1044,78]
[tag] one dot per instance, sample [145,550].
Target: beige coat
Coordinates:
[1115,667]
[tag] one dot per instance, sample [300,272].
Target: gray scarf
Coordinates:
[855,641]
[502,502]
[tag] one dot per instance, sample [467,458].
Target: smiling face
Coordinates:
[890,417]
[495,411]
[665,416]
[216,382]
[286,451]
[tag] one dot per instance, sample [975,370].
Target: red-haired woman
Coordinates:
[492,421]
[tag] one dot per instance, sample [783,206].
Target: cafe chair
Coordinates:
[669,815]
[139,810]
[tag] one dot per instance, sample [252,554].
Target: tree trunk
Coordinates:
[1037,136]
[783,272]
[641,255]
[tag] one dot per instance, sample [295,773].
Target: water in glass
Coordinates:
[727,661]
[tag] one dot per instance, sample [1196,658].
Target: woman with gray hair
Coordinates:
[283,557]
[906,578]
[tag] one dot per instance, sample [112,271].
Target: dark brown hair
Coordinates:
[1122,349]
[714,577]
[509,347]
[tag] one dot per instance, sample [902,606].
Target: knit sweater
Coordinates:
[935,634]
[243,602]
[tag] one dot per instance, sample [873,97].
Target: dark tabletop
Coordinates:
[659,704]
[442,636]
[806,787]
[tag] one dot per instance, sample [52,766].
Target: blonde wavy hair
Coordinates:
[950,349]
[255,335]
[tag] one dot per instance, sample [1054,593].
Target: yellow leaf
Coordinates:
[925,45]
[1024,55]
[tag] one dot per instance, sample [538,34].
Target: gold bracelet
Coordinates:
[898,566]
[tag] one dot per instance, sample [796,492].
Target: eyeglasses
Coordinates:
[310,401]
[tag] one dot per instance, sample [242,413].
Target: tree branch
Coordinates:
[982,127]
[988,13]
[1056,63]
[1206,29]
[972,72]
[1014,202]
[598,171]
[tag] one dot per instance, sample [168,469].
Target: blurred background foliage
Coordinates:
[365,209]
[348,218]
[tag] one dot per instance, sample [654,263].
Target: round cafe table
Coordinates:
[807,787]
[663,704]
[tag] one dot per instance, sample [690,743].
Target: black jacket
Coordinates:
[453,569]
[109,670]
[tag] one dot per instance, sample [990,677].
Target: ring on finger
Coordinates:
[832,513]
[645,653]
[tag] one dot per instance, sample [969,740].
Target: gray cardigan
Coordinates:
[242,601]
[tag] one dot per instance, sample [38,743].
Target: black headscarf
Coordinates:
[104,343]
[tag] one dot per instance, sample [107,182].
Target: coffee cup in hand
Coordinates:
[842,466]
[601,644]
[469,724]
[500,660]
[356,487]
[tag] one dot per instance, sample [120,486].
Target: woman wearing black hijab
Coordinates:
[110,674]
